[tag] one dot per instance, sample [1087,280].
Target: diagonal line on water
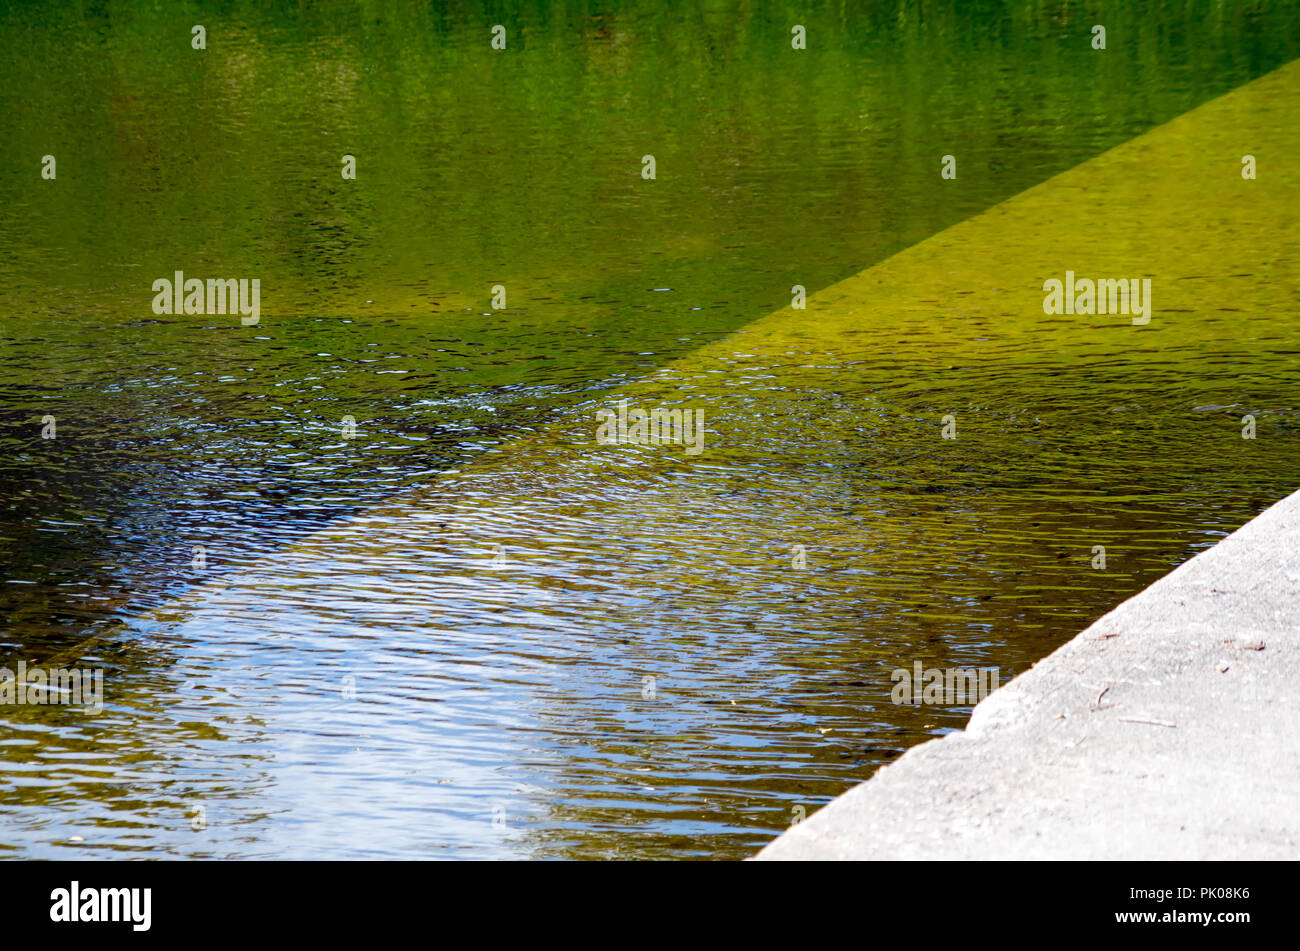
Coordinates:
[1139,209]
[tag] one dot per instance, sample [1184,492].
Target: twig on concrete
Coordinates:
[1152,722]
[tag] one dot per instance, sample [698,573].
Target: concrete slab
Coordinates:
[1169,729]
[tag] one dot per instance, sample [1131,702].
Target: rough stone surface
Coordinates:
[1166,730]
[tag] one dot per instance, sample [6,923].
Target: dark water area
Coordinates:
[479,167]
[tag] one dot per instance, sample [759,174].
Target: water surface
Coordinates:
[502,710]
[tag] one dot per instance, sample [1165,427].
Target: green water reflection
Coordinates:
[519,167]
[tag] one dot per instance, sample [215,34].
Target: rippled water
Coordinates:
[433,640]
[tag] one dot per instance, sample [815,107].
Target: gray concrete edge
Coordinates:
[1165,730]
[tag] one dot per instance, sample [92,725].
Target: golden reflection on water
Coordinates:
[435,640]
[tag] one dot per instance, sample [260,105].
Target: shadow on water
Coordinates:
[477,689]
